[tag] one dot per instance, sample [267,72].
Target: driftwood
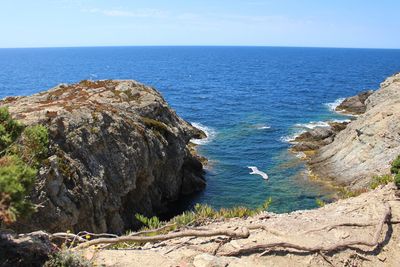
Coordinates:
[239,233]
[319,248]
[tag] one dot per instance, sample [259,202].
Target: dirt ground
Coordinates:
[329,236]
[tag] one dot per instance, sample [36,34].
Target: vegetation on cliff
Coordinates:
[201,213]
[22,149]
[394,176]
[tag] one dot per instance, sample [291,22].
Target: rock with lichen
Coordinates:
[116,149]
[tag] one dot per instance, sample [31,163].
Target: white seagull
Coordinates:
[255,170]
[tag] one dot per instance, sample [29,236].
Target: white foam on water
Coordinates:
[308,126]
[341,121]
[262,126]
[291,137]
[333,105]
[301,155]
[313,124]
[210,134]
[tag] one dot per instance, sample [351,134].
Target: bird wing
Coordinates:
[254,170]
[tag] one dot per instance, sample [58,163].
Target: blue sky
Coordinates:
[321,23]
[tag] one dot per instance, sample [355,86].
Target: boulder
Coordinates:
[24,250]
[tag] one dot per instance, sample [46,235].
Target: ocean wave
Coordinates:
[312,124]
[333,105]
[210,133]
[341,121]
[291,137]
[262,126]
[301,155]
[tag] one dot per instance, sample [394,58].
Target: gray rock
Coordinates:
[355,104]
[116,149]
[318,137]
[24,250]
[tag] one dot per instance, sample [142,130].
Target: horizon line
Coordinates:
[266,46]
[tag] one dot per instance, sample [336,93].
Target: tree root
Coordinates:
[240,233]
[319,248]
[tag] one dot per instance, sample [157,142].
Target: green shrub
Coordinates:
[320,202]
[200,213]
[236,212]
[10,129]
[397,180]
[67,258]
[395,169]
[204,211]
[150,223]
[35,141]
[184,219]
[380,180]
[158,126]
[16,179]
[22,148]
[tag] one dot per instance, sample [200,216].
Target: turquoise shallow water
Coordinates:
[250,99]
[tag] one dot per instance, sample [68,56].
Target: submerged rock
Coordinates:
[355,104]
[116,149]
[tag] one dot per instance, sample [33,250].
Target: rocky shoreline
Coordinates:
[358,231]
[350,153]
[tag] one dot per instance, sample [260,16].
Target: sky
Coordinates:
[309,23]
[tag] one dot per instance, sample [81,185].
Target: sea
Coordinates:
[251,102]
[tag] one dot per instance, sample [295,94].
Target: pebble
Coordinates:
[381,257]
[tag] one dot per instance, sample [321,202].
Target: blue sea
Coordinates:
[250,100]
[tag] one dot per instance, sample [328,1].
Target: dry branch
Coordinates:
[240,233]
[153,230]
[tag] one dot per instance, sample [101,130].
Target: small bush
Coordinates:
[397,180]
[150,223]
[22,149]
[200,213]
[395,169]
[184,219]
[320,202]
[380,180]
[236,212]
[204,211]
[66,258]
[35,141]
[16,179]
[10,129]
[346,193]
[158,126]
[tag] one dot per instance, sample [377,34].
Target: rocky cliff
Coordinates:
[369,143]
[116,149]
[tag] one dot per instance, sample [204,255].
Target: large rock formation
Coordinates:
[368,144]
[116,149]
